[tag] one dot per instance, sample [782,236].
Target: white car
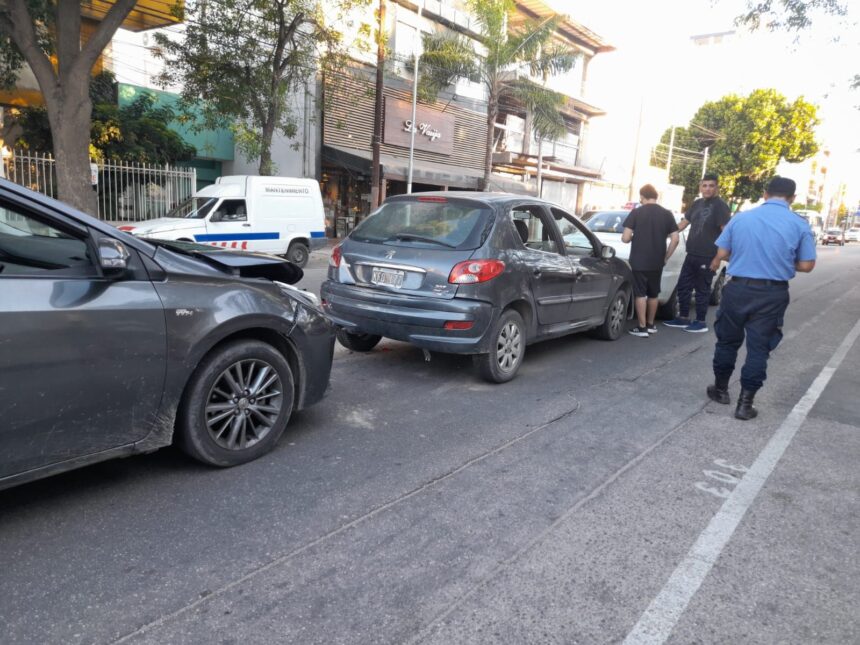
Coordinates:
[852,235]
[608,226]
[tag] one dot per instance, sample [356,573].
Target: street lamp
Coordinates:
[412,127]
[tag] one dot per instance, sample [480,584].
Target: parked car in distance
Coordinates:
[833,236]
[277,215]
[852,235]
[114,345]
[608,227]
[474,273]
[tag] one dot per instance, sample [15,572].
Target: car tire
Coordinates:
[669,309]
[221,430]
[616,315]
[508,348]
[357,342]
[298,254]
[717,289]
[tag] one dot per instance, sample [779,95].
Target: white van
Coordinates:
[277,215]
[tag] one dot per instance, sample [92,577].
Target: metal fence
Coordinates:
[127,192]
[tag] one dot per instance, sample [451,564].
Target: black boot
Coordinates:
[719,391]
[745,410]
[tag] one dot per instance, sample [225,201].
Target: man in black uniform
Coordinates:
[706,217]
[648,226]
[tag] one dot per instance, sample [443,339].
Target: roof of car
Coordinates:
[487,197]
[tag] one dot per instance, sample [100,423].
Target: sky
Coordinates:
[656,66]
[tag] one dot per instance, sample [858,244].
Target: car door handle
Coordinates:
[246,225]
[577,272]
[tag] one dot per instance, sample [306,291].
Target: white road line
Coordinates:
[658,621]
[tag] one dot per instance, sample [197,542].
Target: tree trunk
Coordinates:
[69,113]
[492,113]
[540,167]
[266,135]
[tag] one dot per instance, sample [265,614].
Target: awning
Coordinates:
[147,14]
[397,167]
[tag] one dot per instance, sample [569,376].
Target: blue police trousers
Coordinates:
[756,311]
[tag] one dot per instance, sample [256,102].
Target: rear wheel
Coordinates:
[298,253]
[357,342]
[669,309]
[506,353]
[237,404]
[613,324]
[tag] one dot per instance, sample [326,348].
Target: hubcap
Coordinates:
[243,404]
[616,316]
[509,347]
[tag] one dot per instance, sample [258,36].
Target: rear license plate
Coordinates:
[387,277]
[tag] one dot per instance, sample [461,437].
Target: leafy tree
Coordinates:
[445,58]
[240,62]
[137,132]
[528,45]
[46,34]
[747,137]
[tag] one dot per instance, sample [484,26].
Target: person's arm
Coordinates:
[674,238]
[804,266]
[627,235]
[722,254]
[684,223]
[806,253]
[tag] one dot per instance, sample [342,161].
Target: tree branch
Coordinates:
[103,34]
[21,29]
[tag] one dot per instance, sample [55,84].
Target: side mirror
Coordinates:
[607,252]
[113,256]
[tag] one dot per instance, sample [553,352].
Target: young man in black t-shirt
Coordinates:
[706,217]
[647,227]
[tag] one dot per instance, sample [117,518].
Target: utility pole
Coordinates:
[705,161]
[669,159]
[412,126]
[633,191]
[375,178]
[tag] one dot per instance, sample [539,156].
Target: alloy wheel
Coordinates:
[509,347]
[243,404]
[616,316]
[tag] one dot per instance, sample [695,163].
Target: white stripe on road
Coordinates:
[665,610]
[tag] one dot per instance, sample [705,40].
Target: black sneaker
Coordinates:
[651,329]
[641,332]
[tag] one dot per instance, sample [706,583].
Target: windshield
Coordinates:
[193,208]
[834,231]
[439,223]
[606,221]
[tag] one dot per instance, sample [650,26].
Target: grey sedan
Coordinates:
[474,273]
[112,345]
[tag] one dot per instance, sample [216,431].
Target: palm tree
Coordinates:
[529,45]
[510,49]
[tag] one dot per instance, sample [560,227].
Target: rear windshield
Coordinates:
[437,224]
[606,221]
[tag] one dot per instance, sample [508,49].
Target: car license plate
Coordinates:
[387,277]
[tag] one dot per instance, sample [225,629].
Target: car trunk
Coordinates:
[408,268]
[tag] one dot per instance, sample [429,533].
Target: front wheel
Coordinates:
[613,324]
[357,342]
[237,404]
[669,309]
[506,353]
[298,254]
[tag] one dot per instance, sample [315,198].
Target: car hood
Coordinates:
[161,225]
[244,264]
[622,250]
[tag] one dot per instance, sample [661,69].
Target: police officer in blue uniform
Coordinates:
[765,246]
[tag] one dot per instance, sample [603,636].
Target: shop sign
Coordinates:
[434,130]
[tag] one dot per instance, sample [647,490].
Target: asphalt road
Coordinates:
[598,497]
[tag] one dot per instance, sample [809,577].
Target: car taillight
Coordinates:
[334,260]
[474,271]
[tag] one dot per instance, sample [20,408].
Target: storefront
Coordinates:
[448,149]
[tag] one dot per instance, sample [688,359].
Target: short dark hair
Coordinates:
[648,192]
[781,187]
[711,177]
